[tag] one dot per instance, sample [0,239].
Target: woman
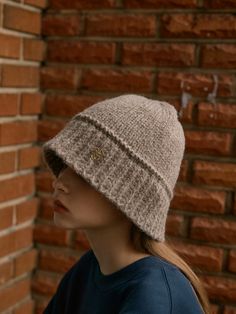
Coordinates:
[116,165]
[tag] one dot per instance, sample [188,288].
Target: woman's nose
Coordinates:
[57,184]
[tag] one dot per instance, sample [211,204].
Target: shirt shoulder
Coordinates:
[164,290]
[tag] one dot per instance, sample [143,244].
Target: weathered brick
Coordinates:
[6,271]
[19,76]
[16,240]
[21,19]
[54,77]
[26,262]
[29,157]
[213,230]
[26,210]
[68,105]
[61,25]
[220,288]
[37,3]
[81,52]
[174,224]
[117,80]
[44,181]
[120,25]
[56,261]
[232,261]
[200,257]
[45,285]
[25,307]
[218,56]
[219,4]
[7,162]
[208,143]
[222,115]
[14,293]
[81,4]
[34,49]
[158,54]
[198,25]
[169,83]
[16,187]
[9,104]
[160,4]
[51,234]
[31,103]
[81,241]
[6,217]
[48,128]
[194,199]
[18,132]
[10,46]
[214,173]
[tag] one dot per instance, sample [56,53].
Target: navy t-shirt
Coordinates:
[147,286]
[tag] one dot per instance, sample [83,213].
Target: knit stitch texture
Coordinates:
[130,149]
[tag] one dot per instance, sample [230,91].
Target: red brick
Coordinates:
[219,4]
[81,52]
[169,83]
[6,272]
[56,261]
[26,262]
[68,105]
[81,241]
[160,4]
[16,187]
[158,54]
[117,80]
[31,103]
[38,4]
[25,307]
[44,181]
[53,77]
[50,234]
[174,224]
[18,132]
[232,261]
[61,25]
[208,143]
[229,310]
[10,46]
[218,56]
[29,157]
[6,217]
[34,49]
[193,199]
[214,173]
[9,104]
[213,230]
[16,240]
[198,25]
[221,115]
[45,210]
[120,25]
[81,4]
[183,170]
[45,285]
[21,19]
[49,128]
[220,288]
[27,210]
[19,76]
[7,162]
[200,257]
[14,293]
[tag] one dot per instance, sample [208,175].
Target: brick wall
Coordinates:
[183,52]
[21,51]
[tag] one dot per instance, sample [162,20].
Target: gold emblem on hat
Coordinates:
[97,154]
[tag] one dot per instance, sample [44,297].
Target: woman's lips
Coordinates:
[59,207]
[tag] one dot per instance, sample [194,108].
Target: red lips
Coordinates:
[58,206]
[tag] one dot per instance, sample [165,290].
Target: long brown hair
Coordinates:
[146,244]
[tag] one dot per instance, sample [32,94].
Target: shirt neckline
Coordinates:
[106,282]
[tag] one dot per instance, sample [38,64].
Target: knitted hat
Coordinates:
[130,149]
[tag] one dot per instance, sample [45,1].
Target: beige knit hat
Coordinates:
[130,149]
